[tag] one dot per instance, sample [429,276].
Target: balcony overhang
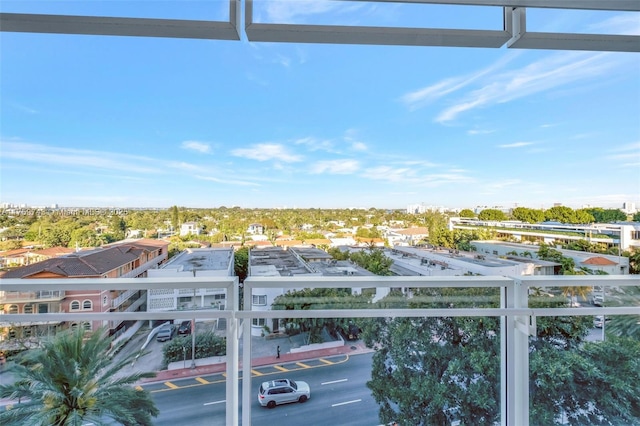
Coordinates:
[513,33]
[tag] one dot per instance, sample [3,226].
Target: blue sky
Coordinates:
[153,122]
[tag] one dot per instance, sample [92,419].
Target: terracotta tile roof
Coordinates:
[318,241]
[71,267]
[599,261]
[414,231]
[54,251]
[90,263]
[289,243]
[14,252]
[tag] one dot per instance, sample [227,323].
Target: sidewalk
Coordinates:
[349,348]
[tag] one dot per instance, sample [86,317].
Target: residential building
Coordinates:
[285,262]
[192,262]
[624,235]
[594,262]
[190,228]
[27,256]
[121,260]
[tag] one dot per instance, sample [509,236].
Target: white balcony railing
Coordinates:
[517,319]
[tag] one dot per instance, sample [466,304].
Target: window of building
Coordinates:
[86,326]
[43,308]
[13,309]
[28,309]
[259,299]
[75,305]
[259,322]
[86,304]
[219,296]
[104,300]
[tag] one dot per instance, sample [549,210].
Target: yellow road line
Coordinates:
[280,368]
[203,381]
[171,385]
[303,365]
[257,373]
[325,361]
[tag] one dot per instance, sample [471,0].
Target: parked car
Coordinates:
[184,328]
[597,300]
[597,322]
[282,391]
[165,333]
[352,332]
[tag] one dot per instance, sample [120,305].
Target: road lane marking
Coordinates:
[257,373]
[171,385]
[334,381]
[215,402]
[303,365]
[280,368]
[203,381]
[345,403]
[325,361]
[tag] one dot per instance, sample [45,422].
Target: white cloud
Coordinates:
[358,146]
[388,173]
[314,144]
[515,145]
[623,24]
[547,74]
[202,147]
[184,166]
[266,152]
[479,132]
[295,11]
[336,167]
[421,97]
[78,158]
[227,181]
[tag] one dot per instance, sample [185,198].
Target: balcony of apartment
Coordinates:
[150,264]
[31,296]
[511,310]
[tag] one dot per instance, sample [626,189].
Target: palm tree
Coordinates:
[73,379]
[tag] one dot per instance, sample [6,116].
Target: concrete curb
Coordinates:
[183,373]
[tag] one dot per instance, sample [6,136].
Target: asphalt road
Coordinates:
[338,396]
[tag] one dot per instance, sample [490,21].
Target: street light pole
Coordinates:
[193,344]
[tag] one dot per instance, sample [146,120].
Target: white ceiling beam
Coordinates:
[335,34]
[101,25]
[619,5]
[564,41]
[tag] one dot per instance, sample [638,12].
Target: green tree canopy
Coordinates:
[429,371]
[467,213]
[607,215]
[524,214]
[492,214]
[373,260]
[73,380]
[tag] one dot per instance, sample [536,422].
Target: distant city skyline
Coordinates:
[123,122]
[627,207]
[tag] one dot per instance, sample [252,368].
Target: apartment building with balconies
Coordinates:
[131,259]
[192,262]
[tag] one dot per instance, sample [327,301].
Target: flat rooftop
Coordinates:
[201,259]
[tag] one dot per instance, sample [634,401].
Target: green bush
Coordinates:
[207,345]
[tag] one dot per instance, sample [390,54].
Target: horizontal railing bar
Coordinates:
[16,284]
[324,313]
